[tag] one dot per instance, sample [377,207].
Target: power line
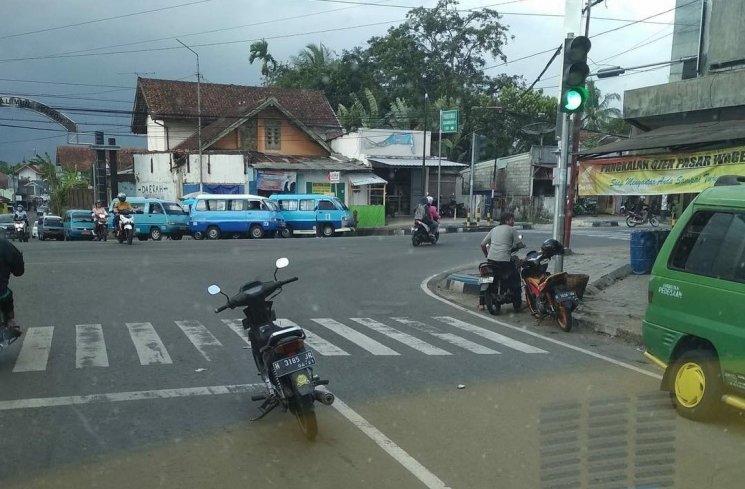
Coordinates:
[594,35]
[70,97]
[96,85]
[208,44]
[33,139]
[104,19]
[211,31]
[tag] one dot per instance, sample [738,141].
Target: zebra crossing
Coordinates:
[327,336]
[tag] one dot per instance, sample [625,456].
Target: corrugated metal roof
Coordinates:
[412,162]
[365,179]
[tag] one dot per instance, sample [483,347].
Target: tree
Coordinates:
[60,181]
[259,51]
[359,115]
[599,111]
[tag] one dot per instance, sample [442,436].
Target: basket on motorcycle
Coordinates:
[577,282]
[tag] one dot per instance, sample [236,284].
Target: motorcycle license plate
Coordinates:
[285,366]
[486,280]
[127,226]
[566,295]
[86,232]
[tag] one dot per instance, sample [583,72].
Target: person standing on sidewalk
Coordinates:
[497,247]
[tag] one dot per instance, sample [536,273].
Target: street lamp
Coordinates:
[199,116]
[424,149]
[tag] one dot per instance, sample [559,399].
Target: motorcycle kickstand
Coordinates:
[266,407]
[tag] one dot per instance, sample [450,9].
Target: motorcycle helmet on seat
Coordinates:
[552,247]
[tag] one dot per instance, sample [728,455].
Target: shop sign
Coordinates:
[659,174]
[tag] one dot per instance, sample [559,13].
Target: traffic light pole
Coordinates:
[561,189]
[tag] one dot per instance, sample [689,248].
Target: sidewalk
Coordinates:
[614,302]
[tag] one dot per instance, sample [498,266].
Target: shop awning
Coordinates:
[675,137]
[358,179]
[411,162]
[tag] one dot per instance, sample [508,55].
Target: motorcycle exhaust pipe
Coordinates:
[324,397]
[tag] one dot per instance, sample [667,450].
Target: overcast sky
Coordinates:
[255,19]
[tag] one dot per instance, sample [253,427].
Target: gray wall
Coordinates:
[725,34]
[685,34]
[518,176]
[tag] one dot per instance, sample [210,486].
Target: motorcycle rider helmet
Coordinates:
[122,197]
[430,199]
[552,247]
[19,208]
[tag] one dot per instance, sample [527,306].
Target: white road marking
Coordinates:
[490,335]
[619,363]
[450,338]
[42,402]
[418,470]
[355,336]
[201,337]
[237,326]
[150,348]
[320,345]
[401,337]
[35,350]
[90,347]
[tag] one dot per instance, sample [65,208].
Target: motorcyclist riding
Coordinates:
[122,206]
[20,214]
[434,216]
[498,246]
[99,214]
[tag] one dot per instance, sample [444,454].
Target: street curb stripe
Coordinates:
[618,363]
[90,347]
[356,337]
[320,345]
[43,402]
[401,337]
[201,337]
[150,348]
[35,350]
[490,335]
[418,470]
[448,337]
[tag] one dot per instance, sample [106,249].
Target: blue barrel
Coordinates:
[643,251]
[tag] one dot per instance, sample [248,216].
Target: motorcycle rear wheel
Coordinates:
[654,222]
[493,306]
[564,318]
[306,418]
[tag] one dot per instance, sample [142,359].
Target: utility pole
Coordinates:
[113,169]
[574,168]
[424,149]
[439,164]
[199,116]
[470,191]
[99,172]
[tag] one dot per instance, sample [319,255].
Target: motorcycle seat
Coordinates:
[282,333]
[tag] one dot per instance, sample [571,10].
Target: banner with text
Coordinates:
[659,174]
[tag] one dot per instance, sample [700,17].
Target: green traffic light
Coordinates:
[574,99]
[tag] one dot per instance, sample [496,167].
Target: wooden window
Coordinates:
[272,134]
[248,135]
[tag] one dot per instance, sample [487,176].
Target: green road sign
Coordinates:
[449,120]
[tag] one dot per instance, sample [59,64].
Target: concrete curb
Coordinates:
[406,231]
[610,278]
[600,224]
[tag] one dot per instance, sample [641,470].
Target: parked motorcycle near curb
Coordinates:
[634,219]
[420,234]
[548,294]
[283,362]
[501,286]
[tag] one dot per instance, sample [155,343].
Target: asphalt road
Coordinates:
[126,378]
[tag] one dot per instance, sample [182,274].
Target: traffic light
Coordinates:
[574,93]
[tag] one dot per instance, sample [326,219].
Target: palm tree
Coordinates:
[260,51]
[599,112]
[316,55]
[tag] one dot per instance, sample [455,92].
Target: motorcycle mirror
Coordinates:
[520,237]
[281,263]
[214,289]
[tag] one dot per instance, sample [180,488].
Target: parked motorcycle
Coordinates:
[501,286]
[640,218]
[101,229]
[283,362]
[126,228]
[20,231]
[420,234]
[548,294]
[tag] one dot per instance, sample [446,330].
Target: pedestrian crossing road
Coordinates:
[153,344]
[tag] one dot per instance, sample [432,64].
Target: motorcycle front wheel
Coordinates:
[630,221]
[415,241]
[654,222]
[564,318]
[130,235]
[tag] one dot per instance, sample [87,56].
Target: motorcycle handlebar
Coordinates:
[240,298]
[289,280]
